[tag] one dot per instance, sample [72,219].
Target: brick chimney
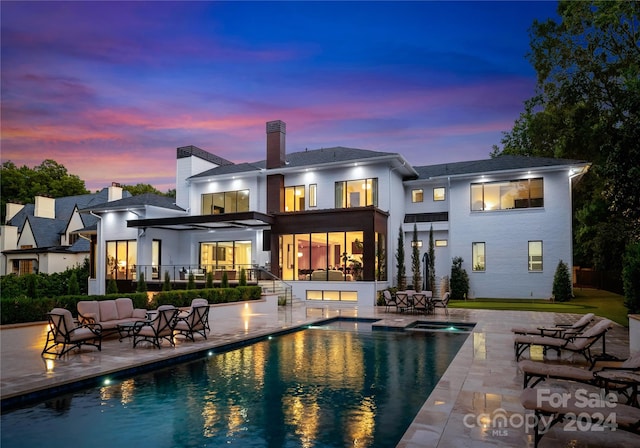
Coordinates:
[276,154]
[276,158]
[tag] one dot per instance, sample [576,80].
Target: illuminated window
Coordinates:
[478,256]
[356,193]
[438,194]
[313,195]
[121,259]
[441,243]
[294,198]
[535,255]
[417,195]
[225,202]
[507,195]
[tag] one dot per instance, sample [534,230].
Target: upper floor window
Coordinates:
[356,193]
[438,194]
[506,195]
[417,195]
[225,202]
[313,195]
[294,198]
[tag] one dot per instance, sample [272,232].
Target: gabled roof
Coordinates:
[314,157]
[46,231]
[65,206]
[500,163]
[139,201]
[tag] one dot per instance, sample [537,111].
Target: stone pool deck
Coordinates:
[482,379]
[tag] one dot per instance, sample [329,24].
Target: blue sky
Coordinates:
[111,89]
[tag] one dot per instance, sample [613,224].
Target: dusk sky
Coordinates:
[111,89]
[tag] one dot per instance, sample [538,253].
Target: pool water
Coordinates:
[334,386]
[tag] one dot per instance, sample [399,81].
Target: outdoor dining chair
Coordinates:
[389,300]
[402,301]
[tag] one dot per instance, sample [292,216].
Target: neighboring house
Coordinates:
[326,221]
[44,237]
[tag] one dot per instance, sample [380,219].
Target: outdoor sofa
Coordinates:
[109,313]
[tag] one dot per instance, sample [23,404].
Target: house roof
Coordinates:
[314,157]
[46,231]
[500,163]
[139,201]
[64,208]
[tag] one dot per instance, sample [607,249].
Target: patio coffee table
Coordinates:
[125,329]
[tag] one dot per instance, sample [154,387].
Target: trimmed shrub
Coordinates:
[112,286]
[459,281]
[191,283]
[225,280]
[166,285]
[243,277]
[562,288]
[142,284]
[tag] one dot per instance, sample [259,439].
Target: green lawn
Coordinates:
[601,303]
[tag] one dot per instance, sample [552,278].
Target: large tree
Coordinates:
[587,106]
[23,184]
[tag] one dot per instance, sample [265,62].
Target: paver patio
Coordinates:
[482,380]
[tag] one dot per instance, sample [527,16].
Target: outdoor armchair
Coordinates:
[195,321]
[64,332]
[159,328]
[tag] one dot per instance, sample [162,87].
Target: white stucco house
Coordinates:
[45,237]
[326,222]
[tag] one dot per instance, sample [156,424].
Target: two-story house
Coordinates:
[326,221]
[45,236]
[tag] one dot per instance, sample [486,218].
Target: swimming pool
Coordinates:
[340,384]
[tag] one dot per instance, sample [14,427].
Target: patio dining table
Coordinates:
[410,300]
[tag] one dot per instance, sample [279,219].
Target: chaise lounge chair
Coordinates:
[195,321]
[580,343]
[536,371]
[559,330]
[621,417]
[157,329]
[63,331]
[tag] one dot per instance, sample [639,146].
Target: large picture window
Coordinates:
[225,255]
[507,195]
[327,256]
[121,259]
[225,202]
[356,193]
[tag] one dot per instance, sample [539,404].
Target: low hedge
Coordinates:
[213,295]
[22,310]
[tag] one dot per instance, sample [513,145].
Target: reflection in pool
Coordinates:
[335,386]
